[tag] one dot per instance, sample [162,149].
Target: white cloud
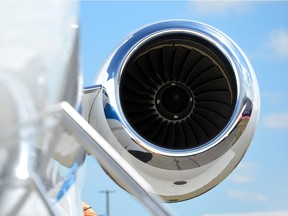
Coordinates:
[278,42]
[276,120]
[214,7]
[248,166]
[245,173]
[242,179]
[249,196]
[272,213]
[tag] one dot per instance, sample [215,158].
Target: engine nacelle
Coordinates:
[179,101]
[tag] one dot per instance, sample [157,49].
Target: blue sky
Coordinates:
[260,28]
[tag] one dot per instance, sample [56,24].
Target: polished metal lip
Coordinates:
[191,171]
[221,42]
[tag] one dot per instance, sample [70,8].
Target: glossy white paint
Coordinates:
[39,68]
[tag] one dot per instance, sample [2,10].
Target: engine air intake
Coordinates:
[178,91]
[179,101]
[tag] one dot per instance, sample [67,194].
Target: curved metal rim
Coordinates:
[146,35]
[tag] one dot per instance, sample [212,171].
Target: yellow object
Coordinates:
[87,210]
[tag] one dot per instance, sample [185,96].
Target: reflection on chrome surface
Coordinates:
[180,102]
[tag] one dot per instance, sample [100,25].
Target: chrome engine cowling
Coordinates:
[179,101]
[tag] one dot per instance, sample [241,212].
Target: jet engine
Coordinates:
[179,101]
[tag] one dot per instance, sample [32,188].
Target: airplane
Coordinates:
[171,114]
